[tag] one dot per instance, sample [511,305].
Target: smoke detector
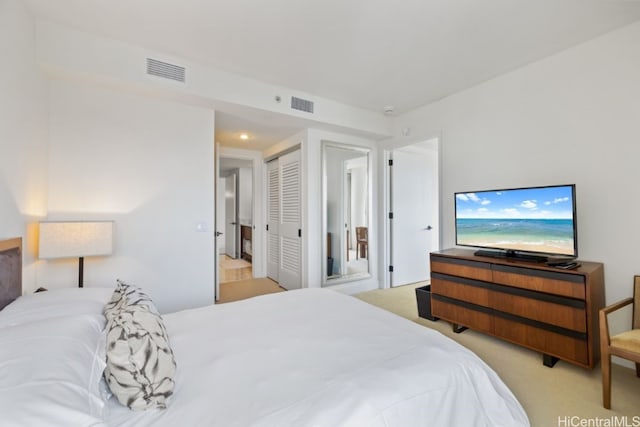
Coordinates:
[389,109]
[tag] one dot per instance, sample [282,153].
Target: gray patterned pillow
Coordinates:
[140,363]
[124,295]
[117,302]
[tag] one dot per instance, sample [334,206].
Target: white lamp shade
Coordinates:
[69,239]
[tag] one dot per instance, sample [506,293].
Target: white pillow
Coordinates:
[50,372]
[55,303]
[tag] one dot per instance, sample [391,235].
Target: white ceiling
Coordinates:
[365,53]
[262,134]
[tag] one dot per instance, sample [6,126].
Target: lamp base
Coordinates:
[80,272]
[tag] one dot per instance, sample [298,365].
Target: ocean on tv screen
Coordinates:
[531,235]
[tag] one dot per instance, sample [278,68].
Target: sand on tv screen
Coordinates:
[540,219]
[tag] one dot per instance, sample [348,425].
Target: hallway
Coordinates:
[237,282]
[232,270]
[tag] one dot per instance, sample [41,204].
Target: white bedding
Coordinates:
[318,358]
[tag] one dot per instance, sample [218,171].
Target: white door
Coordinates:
[220,215]
[231,216]
[273,219]
[290,227]
[219,218]
[220,226]
[415,207]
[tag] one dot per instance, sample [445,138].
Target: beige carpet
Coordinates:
[547,394]
[243,289]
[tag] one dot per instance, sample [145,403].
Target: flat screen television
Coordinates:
[530,223]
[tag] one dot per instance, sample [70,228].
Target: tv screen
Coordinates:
[529,220]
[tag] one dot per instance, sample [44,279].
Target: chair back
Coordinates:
[362,233]
[636,302]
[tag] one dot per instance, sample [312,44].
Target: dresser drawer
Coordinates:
[469,290]
[461,268]
[550,309]
[552,343]
[569,285]
[462,315]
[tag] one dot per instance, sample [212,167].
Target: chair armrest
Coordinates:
[605,340]
[616,306]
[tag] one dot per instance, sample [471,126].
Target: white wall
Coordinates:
[23,135]
[245,194]
[148,164]
[571,118]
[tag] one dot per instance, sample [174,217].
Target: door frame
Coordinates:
[259,253]
[387,206]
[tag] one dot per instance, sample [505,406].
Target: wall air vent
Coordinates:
[165,70]
[301,104]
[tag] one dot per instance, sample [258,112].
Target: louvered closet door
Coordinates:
[290,221]
[273,220]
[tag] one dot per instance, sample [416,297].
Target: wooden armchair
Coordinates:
[625,344]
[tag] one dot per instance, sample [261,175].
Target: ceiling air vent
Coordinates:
[301,104]
[165,70]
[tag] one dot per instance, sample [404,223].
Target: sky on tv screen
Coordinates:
[529,203]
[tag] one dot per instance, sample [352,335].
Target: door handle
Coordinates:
[429,227]
[219,233]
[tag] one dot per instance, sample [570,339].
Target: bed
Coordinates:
[309,357]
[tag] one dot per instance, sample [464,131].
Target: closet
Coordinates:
[284,220]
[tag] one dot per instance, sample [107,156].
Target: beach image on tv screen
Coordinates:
[531,219]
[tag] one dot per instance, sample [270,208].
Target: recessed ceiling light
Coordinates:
[244,136]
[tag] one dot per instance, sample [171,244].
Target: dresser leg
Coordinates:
[457,328]
[549,361]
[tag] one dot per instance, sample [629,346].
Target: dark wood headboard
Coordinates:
[10,270]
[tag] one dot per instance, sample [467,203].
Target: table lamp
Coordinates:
[70,239]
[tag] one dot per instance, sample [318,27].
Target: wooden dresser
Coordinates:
[543,308]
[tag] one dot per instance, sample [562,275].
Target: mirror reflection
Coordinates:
[346,200]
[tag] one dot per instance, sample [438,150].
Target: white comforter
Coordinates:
[320,358]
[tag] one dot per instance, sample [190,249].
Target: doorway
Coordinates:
[413,229]
[235,221]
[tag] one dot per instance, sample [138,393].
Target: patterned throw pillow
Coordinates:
[140,367]
[124,295]
[117,302]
